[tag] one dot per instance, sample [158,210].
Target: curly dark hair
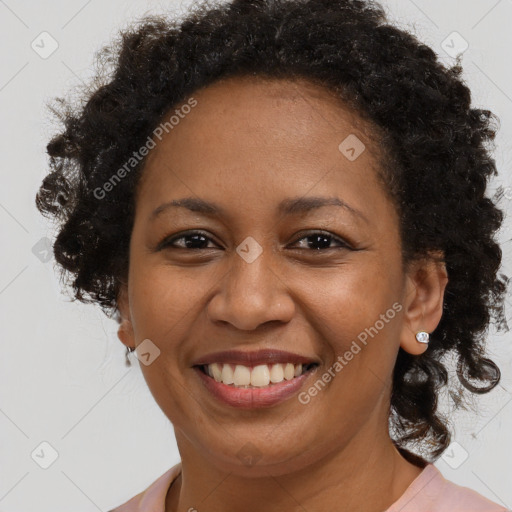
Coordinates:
[435,162]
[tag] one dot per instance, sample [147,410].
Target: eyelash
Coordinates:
[168,242]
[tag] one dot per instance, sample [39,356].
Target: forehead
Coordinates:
[269,108]
[253,139]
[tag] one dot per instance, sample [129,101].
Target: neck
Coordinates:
[367,474]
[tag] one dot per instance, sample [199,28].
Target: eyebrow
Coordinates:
[290,206]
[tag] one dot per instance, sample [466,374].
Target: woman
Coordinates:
[283,203]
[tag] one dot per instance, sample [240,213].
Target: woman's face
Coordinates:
[269,270]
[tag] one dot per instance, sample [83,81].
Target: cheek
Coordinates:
[357,314]
[162,310]
[162,301]
[352,298]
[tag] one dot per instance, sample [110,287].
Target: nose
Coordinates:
[251,294]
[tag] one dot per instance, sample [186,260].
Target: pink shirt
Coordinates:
[429,492]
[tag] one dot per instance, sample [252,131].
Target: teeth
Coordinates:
[242,375]
[277,373]
[289,371]
[215,371]
[227,374]
[260,376]
[257,376]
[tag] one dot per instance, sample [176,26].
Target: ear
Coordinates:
[426,281]
[125,330]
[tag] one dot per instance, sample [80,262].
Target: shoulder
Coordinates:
[153,498]
[431,492]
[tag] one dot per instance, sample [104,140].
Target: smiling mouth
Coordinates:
[259,376]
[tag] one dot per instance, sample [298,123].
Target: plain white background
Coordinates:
[63,379]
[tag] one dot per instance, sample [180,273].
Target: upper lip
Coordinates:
[254,358]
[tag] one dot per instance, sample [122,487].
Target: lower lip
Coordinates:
[249,398]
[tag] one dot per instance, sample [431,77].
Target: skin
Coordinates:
[247,145]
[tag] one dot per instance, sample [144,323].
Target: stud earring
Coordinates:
[422,337]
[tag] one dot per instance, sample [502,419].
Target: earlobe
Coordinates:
[125,330]
[124,334]
[424,296]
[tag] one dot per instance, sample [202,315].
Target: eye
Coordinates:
[193,240]
[321,240]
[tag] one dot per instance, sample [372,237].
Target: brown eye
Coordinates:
[196,240]
[192,240]
[320,240]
